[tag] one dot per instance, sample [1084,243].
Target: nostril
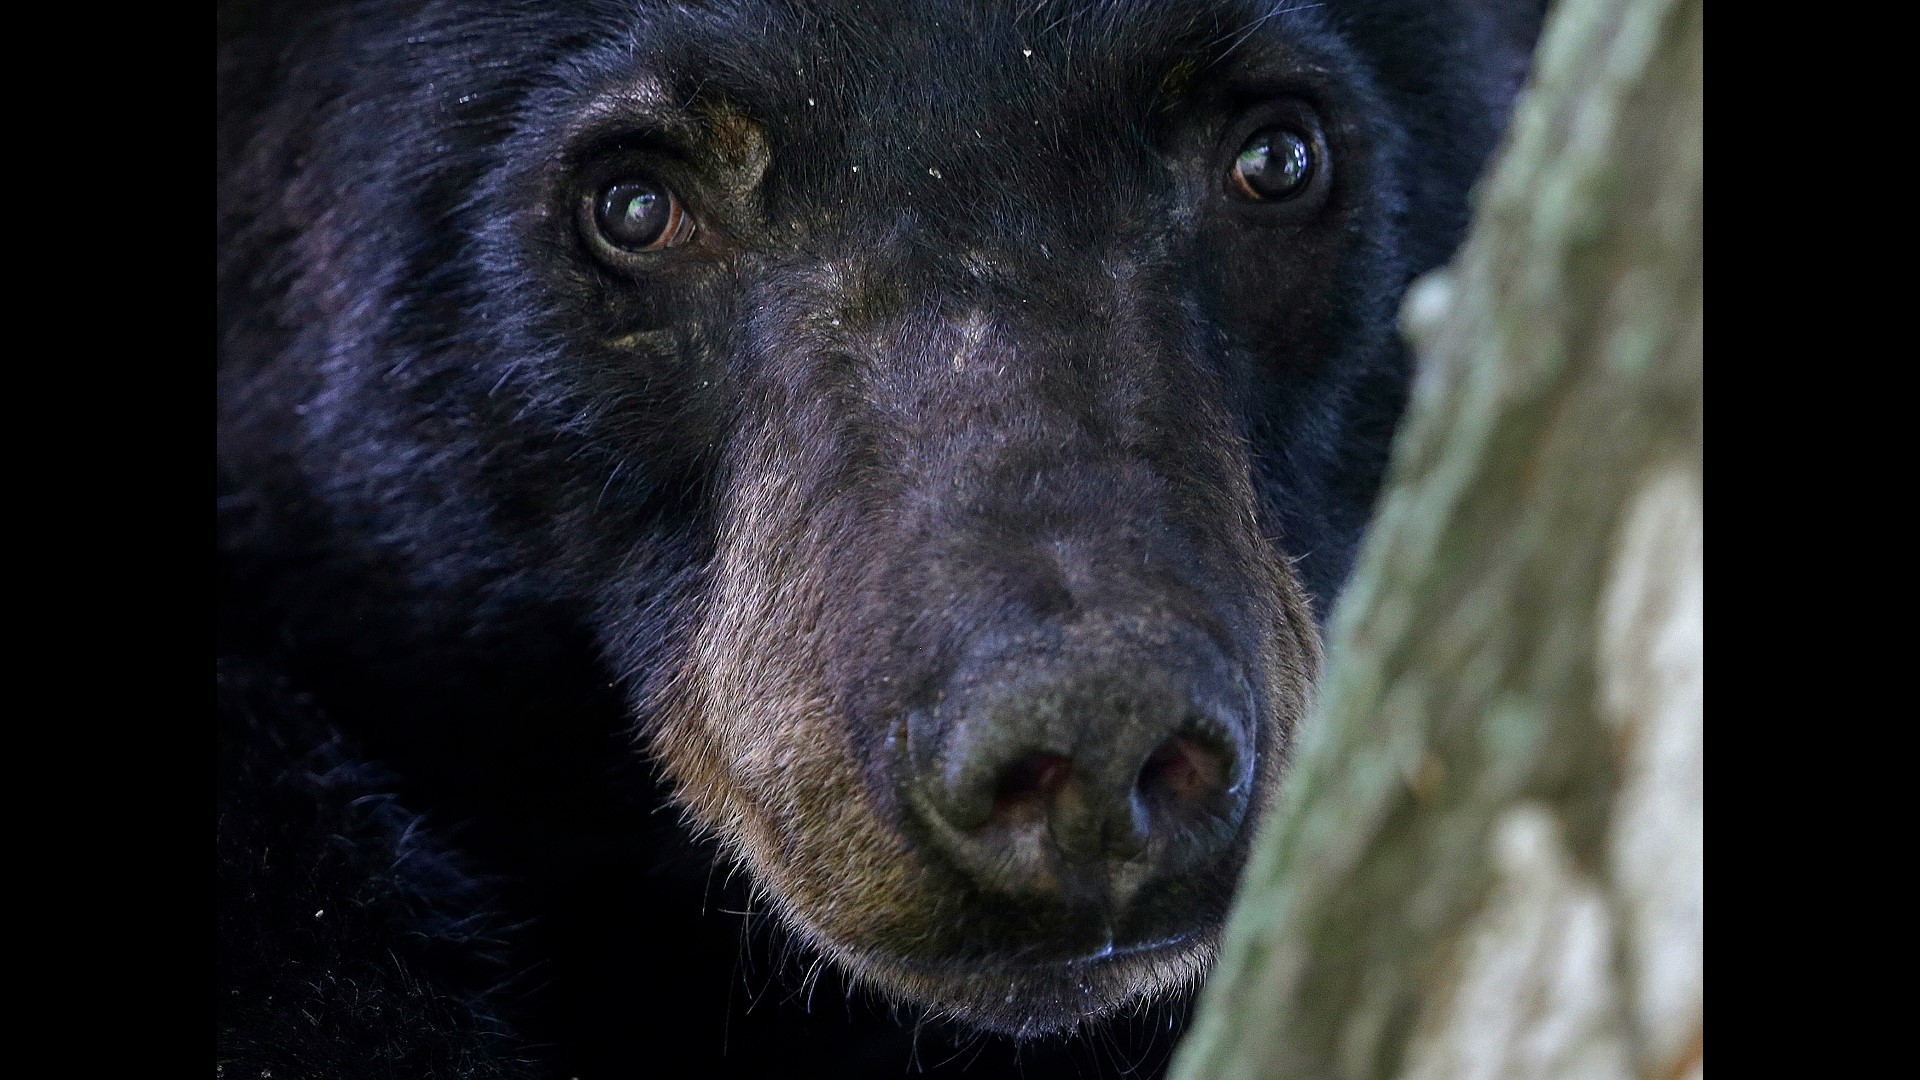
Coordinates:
[1028,787]
[1183,769]
[1073,781]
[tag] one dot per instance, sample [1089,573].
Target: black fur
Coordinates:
[463,534]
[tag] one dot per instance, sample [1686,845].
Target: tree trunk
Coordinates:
[1487,863]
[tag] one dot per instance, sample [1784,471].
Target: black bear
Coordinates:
[918,442]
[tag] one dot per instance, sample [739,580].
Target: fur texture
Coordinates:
[972,360]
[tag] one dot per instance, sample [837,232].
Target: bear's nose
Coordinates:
[1081,781]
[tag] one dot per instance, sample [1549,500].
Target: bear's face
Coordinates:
[998,648]
[952,416]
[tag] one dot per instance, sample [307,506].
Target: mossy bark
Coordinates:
[1488,860]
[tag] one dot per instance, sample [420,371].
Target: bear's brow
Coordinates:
[1163,51]
[639,104]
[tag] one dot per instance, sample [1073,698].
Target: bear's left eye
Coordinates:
[1273,164]
[637,213]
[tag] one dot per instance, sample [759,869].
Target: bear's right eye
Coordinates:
[637,213]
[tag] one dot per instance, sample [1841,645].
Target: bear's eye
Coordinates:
[1274,163]
[639,214]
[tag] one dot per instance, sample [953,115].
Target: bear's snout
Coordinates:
[1079,763]
[1002,665]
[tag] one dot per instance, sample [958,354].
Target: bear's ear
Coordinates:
[1477,46]
[1519,19]
[1511,29]
[1524,20]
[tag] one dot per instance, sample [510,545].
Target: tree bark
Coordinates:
[1487,863]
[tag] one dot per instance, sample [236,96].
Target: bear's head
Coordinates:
[950,420]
